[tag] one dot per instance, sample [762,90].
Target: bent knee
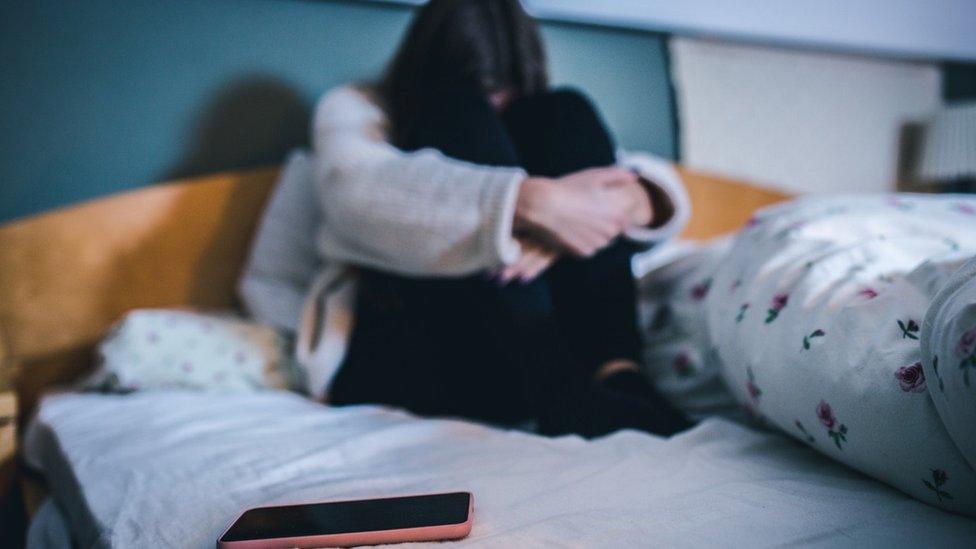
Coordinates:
[571,98]
[559,100]
[574,109]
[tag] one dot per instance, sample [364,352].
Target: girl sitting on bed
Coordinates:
[491,231]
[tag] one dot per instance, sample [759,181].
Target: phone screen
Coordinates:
[350,516]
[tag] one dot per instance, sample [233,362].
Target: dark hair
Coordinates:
[491,44]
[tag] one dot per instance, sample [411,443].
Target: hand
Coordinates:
[582,212]
[635,198]
[535,259]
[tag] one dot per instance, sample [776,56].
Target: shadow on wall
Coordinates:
[909,153]
[252,122]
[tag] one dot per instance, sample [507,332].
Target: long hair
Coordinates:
[491,44]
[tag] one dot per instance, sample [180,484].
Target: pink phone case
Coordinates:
[441,532]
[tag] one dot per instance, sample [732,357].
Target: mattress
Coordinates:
[172,469]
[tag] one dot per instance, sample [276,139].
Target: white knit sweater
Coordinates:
[417,213]
[421,212]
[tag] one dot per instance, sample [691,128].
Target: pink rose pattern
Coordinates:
[898,203]
[826,415]
[868,293]
[967,343]
[939,479]
[700,290]
[754,391]
[776,305]
[911,378]
[682,364]
[835,430]
[153,337]
[966,350]
[963,207]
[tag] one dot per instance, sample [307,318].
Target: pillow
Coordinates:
[165,349]
[949,357]
[677,352]
[816,313]
[283,258]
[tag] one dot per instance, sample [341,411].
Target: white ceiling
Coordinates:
[922,29]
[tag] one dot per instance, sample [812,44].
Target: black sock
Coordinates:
[620,401]
[630,382]
[633,384]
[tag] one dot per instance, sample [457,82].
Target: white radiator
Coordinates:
[796,120]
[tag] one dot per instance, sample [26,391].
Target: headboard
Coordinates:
[68,274]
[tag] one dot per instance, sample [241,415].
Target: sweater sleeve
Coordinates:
[661,174]
[417,213]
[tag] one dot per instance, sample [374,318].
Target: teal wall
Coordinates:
[101,96]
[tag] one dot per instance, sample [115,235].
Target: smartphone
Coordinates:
[427,517]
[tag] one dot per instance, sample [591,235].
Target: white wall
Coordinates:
[800,121]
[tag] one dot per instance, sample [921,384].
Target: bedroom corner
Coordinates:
[306,273]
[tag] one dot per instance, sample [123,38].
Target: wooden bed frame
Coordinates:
[68,274]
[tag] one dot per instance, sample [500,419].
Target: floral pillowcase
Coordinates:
[817,313]
[169,349]
[949,357]
[677,354]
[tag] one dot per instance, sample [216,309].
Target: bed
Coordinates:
[189,462]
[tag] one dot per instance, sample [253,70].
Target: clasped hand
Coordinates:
[577,214]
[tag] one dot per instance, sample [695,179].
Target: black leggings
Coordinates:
[469,346]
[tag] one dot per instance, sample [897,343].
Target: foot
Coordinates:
[621,398]
[631,384]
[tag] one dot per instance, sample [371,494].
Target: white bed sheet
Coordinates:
[172,469]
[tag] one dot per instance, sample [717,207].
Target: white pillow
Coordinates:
[816,315]
[166,348]
[677,352]
[283,259]
[949,356]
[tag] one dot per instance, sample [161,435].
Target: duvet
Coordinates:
[816,314]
